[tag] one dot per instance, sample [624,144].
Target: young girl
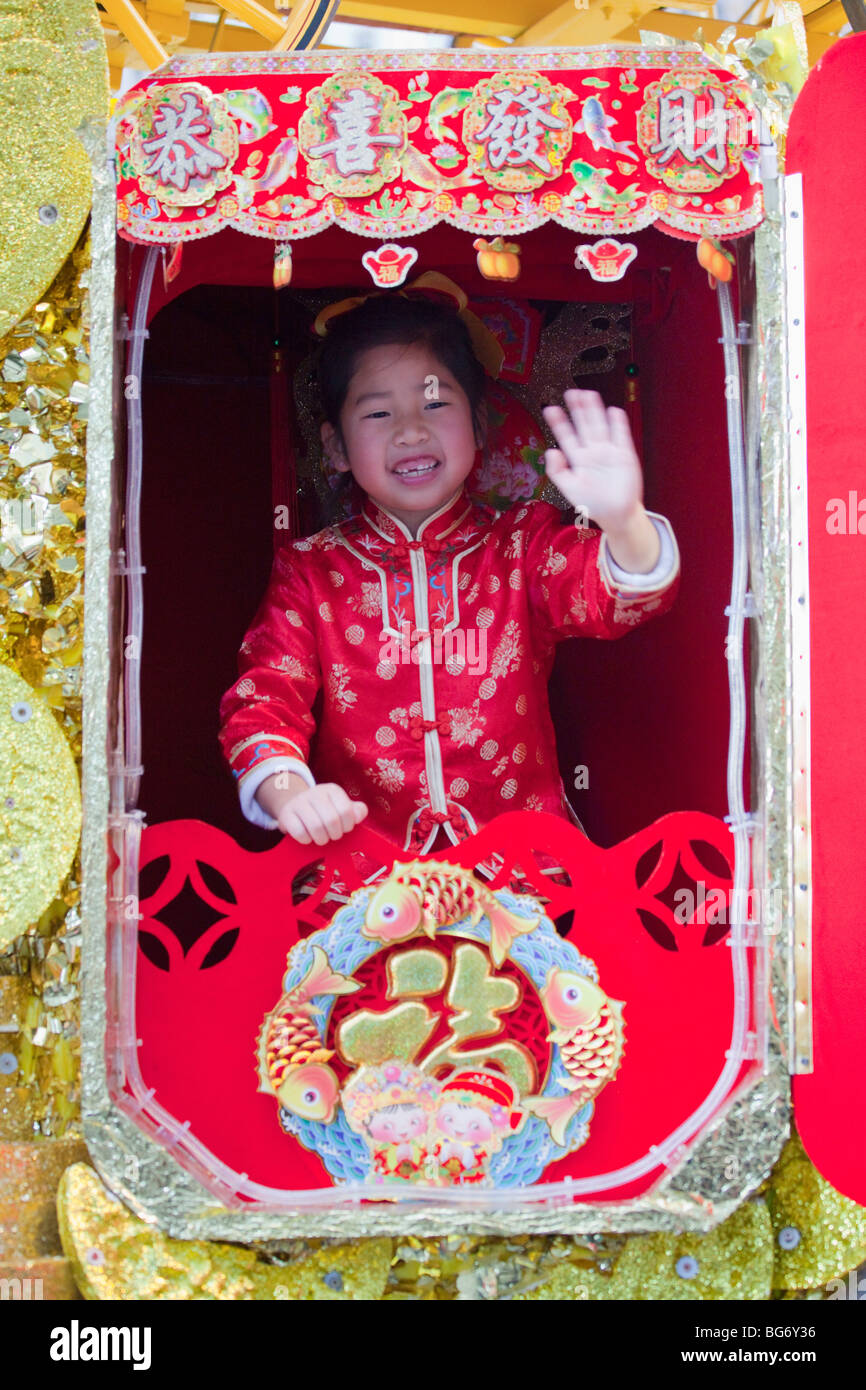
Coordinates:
[364,620]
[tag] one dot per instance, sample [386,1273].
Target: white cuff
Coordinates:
[253,780]
[662,572]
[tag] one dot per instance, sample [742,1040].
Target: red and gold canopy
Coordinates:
[389,144]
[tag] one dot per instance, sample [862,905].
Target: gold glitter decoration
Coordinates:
[53,75]
[43,1098]
[418,972]
[44,389]
[40,806]
[735,1261]
[44,376]
[774,63]
[114,1255]
[475,1268]
[831,1228]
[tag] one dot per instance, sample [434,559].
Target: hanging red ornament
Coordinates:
[390,265]
[607,259]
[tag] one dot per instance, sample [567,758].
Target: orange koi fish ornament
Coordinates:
[292,1060]
[420,897]
[588,1026]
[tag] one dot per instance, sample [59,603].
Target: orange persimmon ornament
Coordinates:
[718,263]
[498,259]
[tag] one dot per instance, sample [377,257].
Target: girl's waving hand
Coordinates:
[596,466]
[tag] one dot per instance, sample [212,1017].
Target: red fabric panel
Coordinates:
[826,144]
[199,1017]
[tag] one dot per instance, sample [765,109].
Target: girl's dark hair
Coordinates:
[385,319]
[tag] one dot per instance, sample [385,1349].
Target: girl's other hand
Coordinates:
[319,814]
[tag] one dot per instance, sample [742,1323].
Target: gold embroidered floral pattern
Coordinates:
[338,687]
[293,667]
[467,726]
[389,774]
[508,653]
[369,601]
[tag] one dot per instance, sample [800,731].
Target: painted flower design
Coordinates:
[495,473]
[524,480]
[444,151]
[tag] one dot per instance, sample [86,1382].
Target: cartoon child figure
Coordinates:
[390,1106]
[477,1112]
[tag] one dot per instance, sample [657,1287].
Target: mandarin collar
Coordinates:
[437,528]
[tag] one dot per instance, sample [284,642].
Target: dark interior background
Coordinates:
[647,715]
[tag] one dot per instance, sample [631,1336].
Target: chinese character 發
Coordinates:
[176,150]
[679,128]
[354,145]
[515,137]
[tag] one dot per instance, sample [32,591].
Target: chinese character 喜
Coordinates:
[353,146]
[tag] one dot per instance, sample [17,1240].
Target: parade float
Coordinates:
[280,1044]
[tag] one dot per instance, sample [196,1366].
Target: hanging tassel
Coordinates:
[171,259]
[632,406]
[282,264]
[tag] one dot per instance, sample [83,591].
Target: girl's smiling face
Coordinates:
[407,431]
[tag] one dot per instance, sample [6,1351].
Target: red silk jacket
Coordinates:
[430,658]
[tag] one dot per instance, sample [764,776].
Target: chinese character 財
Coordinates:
[681,127]
[515,129]
[177,150]
[353,146]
